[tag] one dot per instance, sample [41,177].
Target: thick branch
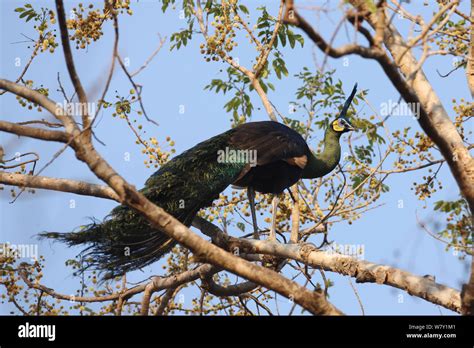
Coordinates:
[166,299]
[433,118]
[32,132]
[363,271]
[35,97]
[292,17]
[56,184]
[470,59]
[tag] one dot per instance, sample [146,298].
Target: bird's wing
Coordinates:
[272,142]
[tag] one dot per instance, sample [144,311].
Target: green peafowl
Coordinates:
[266,157]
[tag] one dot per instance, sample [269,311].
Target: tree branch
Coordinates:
[35,97]
[436,123]
[173,281]
[32,132]
[231,290]
[70,64]
[165,300]
[470,59]
[363,271]
[57,184]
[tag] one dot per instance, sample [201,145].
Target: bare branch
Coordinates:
[111,71]
[155,52]
[292,17]
[40,99]
[173,281]
[23,272]
[470,62]
[32,132]
[70,63]
[27,66]
[165,300]
[231,290]
[57,184]
[363,271]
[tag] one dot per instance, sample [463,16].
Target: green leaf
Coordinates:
[438,205]
[281,36]
[276,67]
[243,9]
[300,39]
[291,38]
[284,69]
[241,226]
[31,16]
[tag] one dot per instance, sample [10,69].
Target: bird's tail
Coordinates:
[124,241]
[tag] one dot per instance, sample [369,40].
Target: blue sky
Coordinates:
[390,234]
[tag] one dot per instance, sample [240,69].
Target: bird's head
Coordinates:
[342,124]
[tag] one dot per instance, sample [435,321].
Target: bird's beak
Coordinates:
[350,126]
[347,125]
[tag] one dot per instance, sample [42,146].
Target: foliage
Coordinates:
[44,18]
[459,230]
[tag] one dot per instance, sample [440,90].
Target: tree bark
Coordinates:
[470,58]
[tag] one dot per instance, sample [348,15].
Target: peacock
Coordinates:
[264,156]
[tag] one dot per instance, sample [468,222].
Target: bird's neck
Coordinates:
[324,162]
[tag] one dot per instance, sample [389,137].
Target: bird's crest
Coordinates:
[348,103]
